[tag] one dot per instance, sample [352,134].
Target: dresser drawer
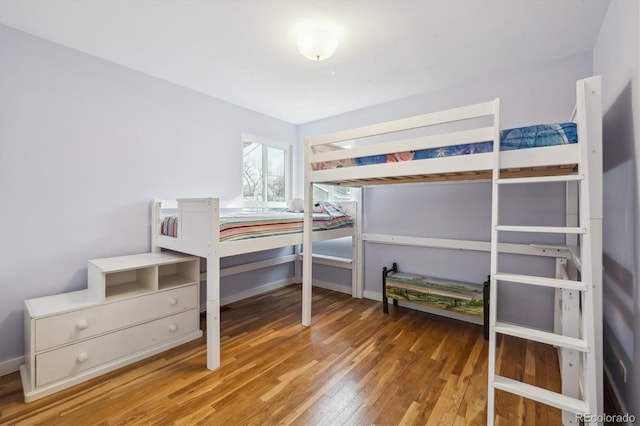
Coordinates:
[70,360]
[69,327]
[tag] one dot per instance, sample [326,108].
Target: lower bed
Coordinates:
[249,225]
[196,226]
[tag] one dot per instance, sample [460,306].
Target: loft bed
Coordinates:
[198,226]
[401,151]
[454,156]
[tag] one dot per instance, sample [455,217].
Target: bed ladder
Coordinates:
[586,343]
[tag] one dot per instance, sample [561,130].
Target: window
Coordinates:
[266,172]
[323,192]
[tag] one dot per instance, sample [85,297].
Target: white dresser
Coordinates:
[134,307]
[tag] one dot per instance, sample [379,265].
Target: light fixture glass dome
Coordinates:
[317,40]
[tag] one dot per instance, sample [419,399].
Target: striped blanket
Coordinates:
[240,226]
[252,225]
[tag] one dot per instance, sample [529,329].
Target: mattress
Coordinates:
[535,136]
[251,225]
[242,226]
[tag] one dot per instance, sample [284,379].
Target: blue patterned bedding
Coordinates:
[510,139]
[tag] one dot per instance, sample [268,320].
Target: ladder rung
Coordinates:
[544,396]
[542,229]
[541,336]
[541,179]
[542,281]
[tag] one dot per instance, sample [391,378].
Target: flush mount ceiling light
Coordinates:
[317,40]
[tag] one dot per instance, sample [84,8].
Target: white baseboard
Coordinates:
[11,365]
[256,291]
[372,295]
[332,286]
[616,391]
[274,286]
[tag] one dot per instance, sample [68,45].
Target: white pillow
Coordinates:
[296,205]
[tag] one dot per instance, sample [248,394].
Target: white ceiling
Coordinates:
[244,52]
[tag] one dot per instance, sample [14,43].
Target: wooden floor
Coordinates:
[353,366]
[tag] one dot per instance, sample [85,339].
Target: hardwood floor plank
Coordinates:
[354,365]
[373,386]
[411,415]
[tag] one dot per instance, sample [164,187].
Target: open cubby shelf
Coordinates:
[117,277]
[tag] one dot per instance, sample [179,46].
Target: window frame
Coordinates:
[332,194]
[288,169]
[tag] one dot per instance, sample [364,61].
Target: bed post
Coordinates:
[156,205]
[213,288]
[590,127]
[297,264]
[307,256]
[567,306]
[357,272]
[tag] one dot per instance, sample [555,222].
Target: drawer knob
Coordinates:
[173,301]
[173,327]
[83,357]
[82,324]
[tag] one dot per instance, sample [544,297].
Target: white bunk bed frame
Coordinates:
[579,165]
[199,235]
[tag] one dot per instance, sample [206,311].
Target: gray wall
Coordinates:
[85,145]
[462,210]
[617,59]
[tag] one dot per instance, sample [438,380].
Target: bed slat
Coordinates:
[466,176]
